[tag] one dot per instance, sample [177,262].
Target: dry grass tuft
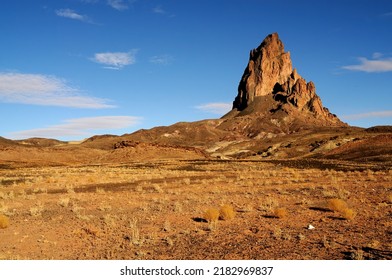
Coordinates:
[4,221]
[226,212]
[37,210]
[280,213]
[167,226]
[109,220]
[177,207]
[3,208]
[356,255]
[211,215]
[340,206]
[268,204]
[135,237]
[63,202]
[336,204]
[100,190]
[348,214]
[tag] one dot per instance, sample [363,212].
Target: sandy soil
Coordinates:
[156,210]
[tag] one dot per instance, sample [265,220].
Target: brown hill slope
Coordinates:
[40,142]
[6,142]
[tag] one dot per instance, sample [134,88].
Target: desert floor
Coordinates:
[157,210]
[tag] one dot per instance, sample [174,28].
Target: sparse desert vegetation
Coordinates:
[280,213]
[4,221]
[226,212]
[211,215]
[195,209]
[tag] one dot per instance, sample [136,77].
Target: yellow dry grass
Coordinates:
[340,206]
[211,215]
[336,204]
[4,221]
[226,212]
[280,213]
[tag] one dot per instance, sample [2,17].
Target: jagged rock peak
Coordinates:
[270,74]
[268,64]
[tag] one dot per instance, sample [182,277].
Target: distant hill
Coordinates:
[40,142]
[380,129]
[6,142]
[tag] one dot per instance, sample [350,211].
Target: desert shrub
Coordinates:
[109,220]
[277,233]
[280,213]
[9,195]
[157,188]
[100,190]
[226,212]
[356,255]
[167,226]
[348,213]
[4,221]
[177,207]
[135,237]
[301,237]
[3,208]
[268,204]
[336,204]
[211,215]
[36,210]
[63,202]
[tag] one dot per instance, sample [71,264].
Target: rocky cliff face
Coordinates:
[268,65]
[269,74]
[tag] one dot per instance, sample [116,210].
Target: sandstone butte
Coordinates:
[271,88]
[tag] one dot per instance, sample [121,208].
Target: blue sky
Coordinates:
[71,69]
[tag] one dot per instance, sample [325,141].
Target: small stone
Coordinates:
[311,227]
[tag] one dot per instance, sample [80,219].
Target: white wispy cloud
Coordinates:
[71,14]
[378,114]
[119,5]
[164,59]
[80,127]
[376,64]
[387,14]
[115,60]
[161,11]
[376,55]
[215,108]
[37,89]
[158,10]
